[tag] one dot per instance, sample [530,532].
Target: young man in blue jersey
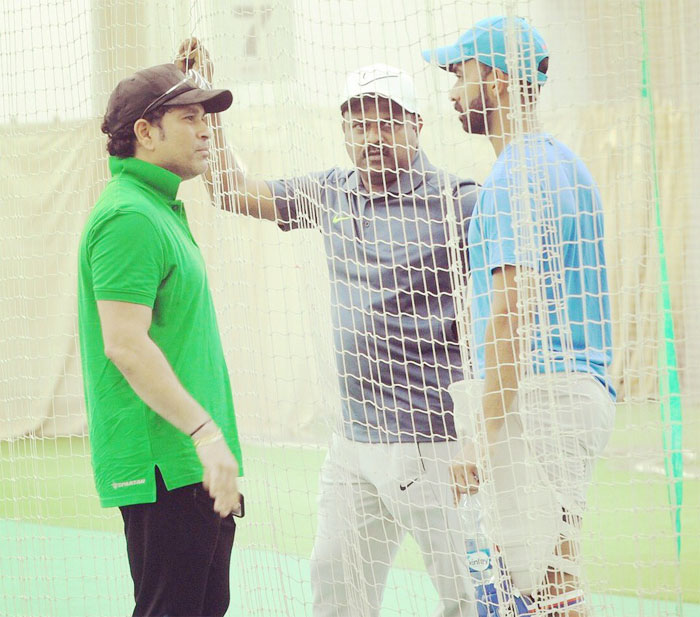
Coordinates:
[546,403]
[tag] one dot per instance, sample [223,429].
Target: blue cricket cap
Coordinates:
[486,42]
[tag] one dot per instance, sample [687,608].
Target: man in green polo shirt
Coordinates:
[160,412]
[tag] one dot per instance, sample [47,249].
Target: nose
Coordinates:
[372,133]
[204,129]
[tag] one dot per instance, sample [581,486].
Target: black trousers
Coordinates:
[179,553]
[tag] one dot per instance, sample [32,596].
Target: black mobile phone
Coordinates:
[240,513]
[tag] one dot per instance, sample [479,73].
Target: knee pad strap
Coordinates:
[562,602]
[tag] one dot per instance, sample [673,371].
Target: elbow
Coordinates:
[115,353]
[121,353]
[112,351]
[506,323]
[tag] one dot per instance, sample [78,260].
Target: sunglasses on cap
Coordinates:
[192,75]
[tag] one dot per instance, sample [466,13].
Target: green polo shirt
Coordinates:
[137,247]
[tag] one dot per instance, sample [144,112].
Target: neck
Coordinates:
[377,182]
[146,155]
[503,128]
[149,157]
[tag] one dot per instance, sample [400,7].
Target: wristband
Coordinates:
[202,425]
[207,439]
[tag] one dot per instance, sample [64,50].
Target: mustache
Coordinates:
[370,150]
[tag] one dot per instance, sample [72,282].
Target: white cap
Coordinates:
[385,81]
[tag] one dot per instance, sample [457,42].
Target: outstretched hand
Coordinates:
[193,55]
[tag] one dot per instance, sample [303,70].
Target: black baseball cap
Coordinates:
[154,87]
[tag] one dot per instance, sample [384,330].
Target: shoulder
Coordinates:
[494,193]
[464,187]
[331,177]
[515,169]
[122,207]
[121,195]
[327,178]
[336,177]
[509,165]
[460,187]
[560,148]
[466,192]
[568,158]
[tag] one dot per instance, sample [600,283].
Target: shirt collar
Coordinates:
[407,181]
[163,181]
[525,140]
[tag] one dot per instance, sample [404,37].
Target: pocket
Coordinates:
[208,522]
[191,514]
[394,469]
[202,499]
[435,460]
[204,504]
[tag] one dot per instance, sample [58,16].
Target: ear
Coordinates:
[419,124]
[144,132]
[500,83]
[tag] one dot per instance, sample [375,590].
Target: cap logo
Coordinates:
[367,77]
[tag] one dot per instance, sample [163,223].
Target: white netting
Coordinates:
[282,308]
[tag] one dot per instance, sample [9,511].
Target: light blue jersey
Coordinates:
[540,208]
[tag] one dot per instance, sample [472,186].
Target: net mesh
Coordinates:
[621,94]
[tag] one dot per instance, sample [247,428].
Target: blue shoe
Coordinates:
[515,604]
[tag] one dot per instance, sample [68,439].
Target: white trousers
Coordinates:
[541,467]
[371,495]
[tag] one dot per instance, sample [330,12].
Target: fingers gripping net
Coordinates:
[346,318]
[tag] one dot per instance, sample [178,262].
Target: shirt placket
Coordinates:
[358,207]
[179,209]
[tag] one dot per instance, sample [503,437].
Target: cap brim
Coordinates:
[213,101]
[444,56]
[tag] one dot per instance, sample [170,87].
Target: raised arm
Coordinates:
[228,185]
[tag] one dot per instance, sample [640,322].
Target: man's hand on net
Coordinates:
[193,55]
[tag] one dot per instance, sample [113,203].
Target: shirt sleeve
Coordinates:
[299,200]
[502,205]
[465,194]
[126,258]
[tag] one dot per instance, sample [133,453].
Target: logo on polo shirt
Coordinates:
[116,485]
[339,219]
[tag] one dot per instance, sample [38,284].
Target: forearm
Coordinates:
[152,378]
[228,186]
[224,178]
[501,361]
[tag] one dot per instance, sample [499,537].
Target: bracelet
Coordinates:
[202,425]
[207,439]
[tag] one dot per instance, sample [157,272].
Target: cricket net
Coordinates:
[305,312]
